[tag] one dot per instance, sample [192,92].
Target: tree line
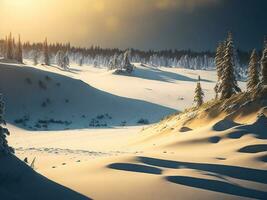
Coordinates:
[12,49]
[227,85]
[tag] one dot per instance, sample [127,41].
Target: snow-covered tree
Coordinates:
[62,59]
[66,61]
[19,52]
[253,74]
[46,53]
[199,94]
[126,65]
[81,61]
[219,66]
[9,47]
[4,148]
[114,62]
[228,86]
[59,58]
[35,57]
[264,64]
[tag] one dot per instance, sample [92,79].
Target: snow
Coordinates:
[82,97]
[127,160]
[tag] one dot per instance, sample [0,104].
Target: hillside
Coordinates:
[43,100]
[209,156]
[54,99]
[215,152]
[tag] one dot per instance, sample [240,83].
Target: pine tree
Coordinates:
[264,64]
[81,61]
[9,51]
[19,52]
[35,57]
[66,61]
[199,94]
[62,59]
[114,63]
[219,66]
[6,47]
[59,58]
[228,86]
[46,53]
[4,148]
[253,74]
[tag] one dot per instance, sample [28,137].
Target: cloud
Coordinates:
[181,4]
[82,22]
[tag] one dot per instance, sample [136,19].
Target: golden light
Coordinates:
[18,3]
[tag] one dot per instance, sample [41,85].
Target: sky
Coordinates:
[141,24]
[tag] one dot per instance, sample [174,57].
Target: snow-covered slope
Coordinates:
[45,99]
[18,181]
[207,153]
[212,157]
[48,98]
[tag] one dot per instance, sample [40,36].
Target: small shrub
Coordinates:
[143,121]
[48,101]
[37,125]
[18,121]
[44,104]
[47,78]
[123,123]
[100,117]
[42,85]
[29,81]
[25,160]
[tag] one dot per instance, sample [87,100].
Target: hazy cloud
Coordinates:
[131,23]
[182,4]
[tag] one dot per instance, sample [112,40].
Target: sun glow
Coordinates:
[85,22]
[18,3]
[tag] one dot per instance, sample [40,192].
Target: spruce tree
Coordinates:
[219,66]
[14,47]
[199,94]
[35,57]
[4,148]
[81,61]
[9,51]
[253,74]
[46,53]
[126,65]
[6,48]
[19,52]
[264,64]
[228,86]
[59,58]
[66,61]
